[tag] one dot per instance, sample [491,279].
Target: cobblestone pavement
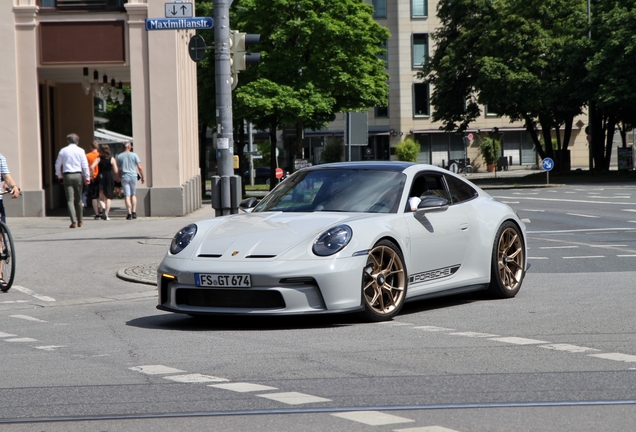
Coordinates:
[144,273]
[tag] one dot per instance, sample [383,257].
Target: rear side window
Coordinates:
[460,191]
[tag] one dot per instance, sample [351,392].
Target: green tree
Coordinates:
[319,57]
[332,152]
[611,75]
[521,58]
[120,115]
[407,150]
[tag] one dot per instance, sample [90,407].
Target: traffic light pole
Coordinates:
[226,187]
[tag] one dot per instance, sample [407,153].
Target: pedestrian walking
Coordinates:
[91,192]
[130,172]
[71,167]
[106,178]
[9,184]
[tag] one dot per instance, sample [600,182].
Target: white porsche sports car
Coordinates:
[347,237]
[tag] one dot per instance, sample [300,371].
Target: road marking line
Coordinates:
[242,387]
[601,230]
[630,210]
[519,341]
[156,369]
[558,247]
[510,202]
[28,318]
[568,348]
[3,335]
[14,301]
[433,328]
[48,347]
[538,258]
[582,215]
[397,323]
[293,398]
[426,429]
[569,200]
[616,356]
[32,294]
[609,245]
[194,378]
[584,257]
[372,418]
[474,334]
[526,220]
[626,256]
[24,339]
[534,210]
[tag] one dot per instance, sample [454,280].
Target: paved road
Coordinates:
[87,349]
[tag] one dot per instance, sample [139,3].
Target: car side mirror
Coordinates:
[248,204]
[432,203]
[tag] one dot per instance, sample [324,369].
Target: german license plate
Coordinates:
[223,280]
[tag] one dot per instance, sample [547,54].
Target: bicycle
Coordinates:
[461,167]
[7,255]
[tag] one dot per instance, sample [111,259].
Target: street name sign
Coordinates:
[178,10]
[200,23]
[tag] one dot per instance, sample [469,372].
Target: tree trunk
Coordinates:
[535,138]
[610,126]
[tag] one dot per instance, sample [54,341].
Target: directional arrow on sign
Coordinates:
[178,10]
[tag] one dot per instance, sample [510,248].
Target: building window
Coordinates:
[379,8]
[381,112]
[421,107]
[489,112]
[419,8]
[420,49]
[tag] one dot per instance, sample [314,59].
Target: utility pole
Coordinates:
[226,187]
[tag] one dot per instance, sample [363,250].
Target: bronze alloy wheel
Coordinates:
[384,282]
[510,259]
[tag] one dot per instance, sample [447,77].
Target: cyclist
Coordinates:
[9,184]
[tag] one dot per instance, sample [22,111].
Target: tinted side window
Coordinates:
[459,190]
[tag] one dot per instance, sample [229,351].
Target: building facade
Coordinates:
[408,115]
[51,52]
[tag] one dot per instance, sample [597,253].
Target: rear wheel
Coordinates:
[383,282]
[508,262]
[468,170]
[7,258]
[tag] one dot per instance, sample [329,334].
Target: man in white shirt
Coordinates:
[71,167]
[9,184]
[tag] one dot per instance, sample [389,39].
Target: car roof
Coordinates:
[367,165]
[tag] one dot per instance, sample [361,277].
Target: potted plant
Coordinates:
[490,149]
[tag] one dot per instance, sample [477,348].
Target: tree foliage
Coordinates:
[407,150]
[522,58]
[319,57]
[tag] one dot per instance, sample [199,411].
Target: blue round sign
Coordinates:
[547,164]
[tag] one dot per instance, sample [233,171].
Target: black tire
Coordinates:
[508,263]
[7,259]
[384,282]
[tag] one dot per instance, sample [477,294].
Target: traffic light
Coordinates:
[240,59]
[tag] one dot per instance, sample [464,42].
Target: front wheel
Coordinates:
[383,282]
[7,258]
[468,170]
[508,262]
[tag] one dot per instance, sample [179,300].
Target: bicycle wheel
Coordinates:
[468,170]
[7,258]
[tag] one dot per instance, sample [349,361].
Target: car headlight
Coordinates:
[332,240]
[182,239]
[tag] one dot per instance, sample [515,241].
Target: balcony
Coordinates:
[81,5]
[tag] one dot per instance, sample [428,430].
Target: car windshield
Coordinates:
[337,189]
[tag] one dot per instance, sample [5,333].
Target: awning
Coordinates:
[104,136]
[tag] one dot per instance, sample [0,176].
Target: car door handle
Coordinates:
[463,227]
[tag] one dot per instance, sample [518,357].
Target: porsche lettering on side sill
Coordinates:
[430,275]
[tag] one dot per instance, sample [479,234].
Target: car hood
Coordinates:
[265,235]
